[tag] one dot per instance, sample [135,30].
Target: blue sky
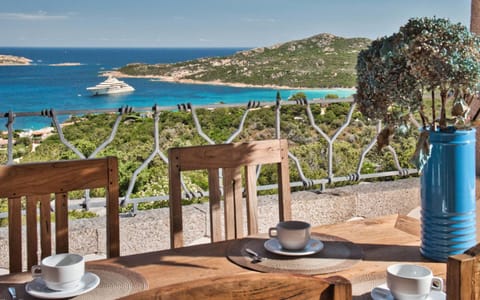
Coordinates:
[207,23]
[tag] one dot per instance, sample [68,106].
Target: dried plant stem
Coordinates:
[443,113]
[423,117]
[434,125]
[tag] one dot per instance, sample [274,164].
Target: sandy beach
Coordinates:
[216,82]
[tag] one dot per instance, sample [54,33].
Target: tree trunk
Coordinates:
[475,16]
[475,28]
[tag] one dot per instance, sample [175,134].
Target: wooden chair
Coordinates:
[463,275]
[231,158]
[253,286]
[36,182]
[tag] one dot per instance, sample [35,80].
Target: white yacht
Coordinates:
[110,86]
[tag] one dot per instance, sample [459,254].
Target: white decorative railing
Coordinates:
[157,150]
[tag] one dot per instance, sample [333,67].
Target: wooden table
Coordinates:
[384,241]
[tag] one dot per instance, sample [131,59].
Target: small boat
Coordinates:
[110,86]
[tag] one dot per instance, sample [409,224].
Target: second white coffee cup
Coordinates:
[61,271]
[411,282]
[292,235]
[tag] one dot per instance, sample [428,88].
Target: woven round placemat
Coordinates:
[338,254]
[115,282]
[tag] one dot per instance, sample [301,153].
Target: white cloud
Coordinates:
[38,16]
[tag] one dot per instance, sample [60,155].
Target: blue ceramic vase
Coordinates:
[448,212]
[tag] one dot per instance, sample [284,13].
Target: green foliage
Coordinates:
[80,214]
[427,54]
[300,96]
[331,96]
[384,82]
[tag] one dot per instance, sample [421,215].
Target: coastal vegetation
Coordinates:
[134,142]
[320,61]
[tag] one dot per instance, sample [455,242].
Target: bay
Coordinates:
[46,85]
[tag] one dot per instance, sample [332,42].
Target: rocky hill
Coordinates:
[319,61]
[10,60]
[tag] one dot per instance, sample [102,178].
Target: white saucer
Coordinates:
[313,246]
[382,292]
[37,288]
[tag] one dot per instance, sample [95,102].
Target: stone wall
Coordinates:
[149,230]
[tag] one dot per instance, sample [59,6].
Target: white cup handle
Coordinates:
[437,283]
[36,271]
[272,232]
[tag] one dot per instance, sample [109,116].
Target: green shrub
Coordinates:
[331,96]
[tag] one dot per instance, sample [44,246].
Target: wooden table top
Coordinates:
[384,241]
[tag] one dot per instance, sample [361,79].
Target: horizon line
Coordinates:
[137,47]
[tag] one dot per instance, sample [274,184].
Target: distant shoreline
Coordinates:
[216,82]
[12,60]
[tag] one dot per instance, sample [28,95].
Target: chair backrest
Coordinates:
[252,286]
[463,275]
[230,158]
[36,183]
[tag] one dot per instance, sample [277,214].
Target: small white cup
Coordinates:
[412,282]
[292,235]
[60,271]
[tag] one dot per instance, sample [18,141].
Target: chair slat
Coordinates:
[14,227]
[45,226]
[252,201]
[215,208]
[284,195]
[32,239]
[238,202]
[61,222]
[174,187]
[229,203]
[113,222]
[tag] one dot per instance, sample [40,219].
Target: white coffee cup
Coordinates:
[292,235]
[409,281]
[60,271]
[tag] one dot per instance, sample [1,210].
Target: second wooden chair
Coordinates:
[230,158]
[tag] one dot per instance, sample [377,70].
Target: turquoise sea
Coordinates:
[43,86]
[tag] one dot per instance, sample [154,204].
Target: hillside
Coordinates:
[320,61]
